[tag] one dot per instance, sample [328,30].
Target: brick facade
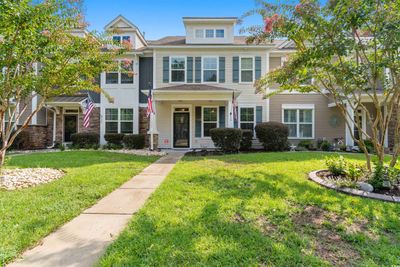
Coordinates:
[37,137]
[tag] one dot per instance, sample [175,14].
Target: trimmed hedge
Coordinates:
[134,141]
[226,139]
[273,135]
[247,140]
[85,140]
[114,138]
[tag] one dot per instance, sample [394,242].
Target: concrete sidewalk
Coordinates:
[82,241]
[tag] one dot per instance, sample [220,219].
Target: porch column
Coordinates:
[350,127]
[153,125]
[230,115]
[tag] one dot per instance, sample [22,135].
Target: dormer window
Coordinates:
[117,39]
[209,33]
[220,33]
[199,33]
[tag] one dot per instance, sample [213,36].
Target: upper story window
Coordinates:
[123,75]
[210,69]
[118,39]
[246,69]
[178,68]
[199,33]
[209,33]
[219,33]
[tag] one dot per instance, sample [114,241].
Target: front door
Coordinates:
[70,126]
[181,130]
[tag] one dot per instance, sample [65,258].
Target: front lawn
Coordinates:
[256,210]
[27,215]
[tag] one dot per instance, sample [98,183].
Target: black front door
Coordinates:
[70,126]
[181,130]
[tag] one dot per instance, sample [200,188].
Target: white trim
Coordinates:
[34,106]
[253,70]
[298,107]
[119,121]
[267,109]
[202,69]
[119,84]
[202,120]
[173,106]
[170,69]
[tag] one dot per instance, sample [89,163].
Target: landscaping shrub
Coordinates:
[273,135]
[114,138]
[336,165]
[325,145]
[354,171]
[307,144]
[369,145]
[83,140]
[384,176]
[226,139]
[134,141]
[247,140]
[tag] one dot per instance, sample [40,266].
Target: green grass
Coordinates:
[256,210]
[28,215]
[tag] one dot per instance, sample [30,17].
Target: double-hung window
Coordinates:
[117,39]
[209,33]
[199,33]
[111,120]
[119,120]
[210,69]
[210,120]
[123,74]
[220,33]
[247,118]
[126,120]
[246,69]
[178,68]
[300,122]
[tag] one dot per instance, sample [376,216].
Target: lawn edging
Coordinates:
[350,191]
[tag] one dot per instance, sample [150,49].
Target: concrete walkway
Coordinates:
[82,241]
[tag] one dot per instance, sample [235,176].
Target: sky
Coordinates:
[159,18]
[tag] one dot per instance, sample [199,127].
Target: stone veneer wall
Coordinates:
[144,124]
[37,137]
[94,126]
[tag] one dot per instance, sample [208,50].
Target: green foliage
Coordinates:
[226,139]
[307,144]
[84,140]
[34,213]
[383,173]
[325,145]
[134,141]
[42,55]
[247,140]
[336,165]
[273,135]
[354,171]
[369,145]
[114,138]
[61,147]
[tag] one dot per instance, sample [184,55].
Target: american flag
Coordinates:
[234,107]
[88,109]
[150,109]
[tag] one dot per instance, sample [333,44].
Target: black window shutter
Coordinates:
[197,121]
[189,71]
[258,67]
[221,69]
[221,117]
[235,122]
[235,69]
[198,69]
[165,69]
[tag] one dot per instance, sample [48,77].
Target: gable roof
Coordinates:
[128,23]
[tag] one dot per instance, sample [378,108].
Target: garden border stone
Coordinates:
[350,191]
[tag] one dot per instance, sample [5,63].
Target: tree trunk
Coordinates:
[2,156]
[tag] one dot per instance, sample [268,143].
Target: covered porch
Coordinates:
[184,115]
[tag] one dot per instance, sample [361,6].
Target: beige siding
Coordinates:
[274,63]
[247,90]
[27,112]
[323,113]
[164,113]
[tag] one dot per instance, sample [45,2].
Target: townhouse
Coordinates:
[193,79]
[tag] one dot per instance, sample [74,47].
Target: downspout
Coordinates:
[54,110]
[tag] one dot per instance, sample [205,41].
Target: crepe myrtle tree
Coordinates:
[351,50]
[42,56]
